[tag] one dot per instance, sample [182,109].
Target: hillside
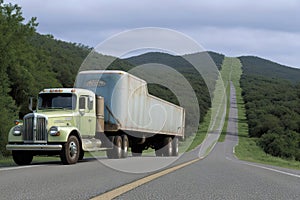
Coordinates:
[202,84]
[272,101]
[253,65]
[204,61]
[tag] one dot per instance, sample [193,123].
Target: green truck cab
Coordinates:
[64,124]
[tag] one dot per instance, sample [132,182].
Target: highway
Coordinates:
[218,176]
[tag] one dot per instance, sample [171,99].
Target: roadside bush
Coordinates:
[280,144]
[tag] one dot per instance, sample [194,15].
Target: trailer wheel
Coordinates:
[168,147]
[125,144]
[22,157]
[117,147]
[175,147]
[116,151]
[70,151]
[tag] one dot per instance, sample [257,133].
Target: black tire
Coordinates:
[81,155]
[168,148]
[175,147]
[116,151]
[117,147]
[125,145]
[22,157]
[70,152]
[136,151]
[110,153]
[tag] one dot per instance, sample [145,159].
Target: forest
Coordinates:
[272,102]
[29,62]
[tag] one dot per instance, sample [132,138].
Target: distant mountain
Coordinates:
[177,62]
[253,65]
[201,83]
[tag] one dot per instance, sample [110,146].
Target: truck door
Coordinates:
[87,115]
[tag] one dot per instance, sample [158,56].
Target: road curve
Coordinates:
[218,176]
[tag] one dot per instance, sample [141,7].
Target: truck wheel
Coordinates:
[116,151]
[168,148]
[70,151]
[22,157]
[125,145]
[118,147]
[175,147]
[136,151]
[81,155]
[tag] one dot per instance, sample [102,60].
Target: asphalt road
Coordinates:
[221,176]
[218,176]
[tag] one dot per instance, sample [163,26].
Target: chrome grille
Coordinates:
[28,128]
[35,128]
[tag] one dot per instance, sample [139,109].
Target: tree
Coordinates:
[12,39]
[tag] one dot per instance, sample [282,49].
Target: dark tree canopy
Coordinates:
[272,110]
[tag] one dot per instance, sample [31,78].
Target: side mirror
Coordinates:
[30,103]
[30,106]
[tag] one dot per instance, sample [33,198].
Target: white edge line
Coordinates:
[262,167]
[271,169]
[21,167]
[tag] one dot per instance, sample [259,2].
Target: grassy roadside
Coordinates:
[214,118]
[247,149]
[200,135]
[226,73]
[8,161]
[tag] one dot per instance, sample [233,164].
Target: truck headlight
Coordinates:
[54,131]
[17,130]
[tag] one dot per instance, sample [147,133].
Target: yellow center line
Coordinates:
[125,188]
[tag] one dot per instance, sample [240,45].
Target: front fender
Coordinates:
[13,138]
[64,134]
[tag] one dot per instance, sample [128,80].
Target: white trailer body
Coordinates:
[129,107]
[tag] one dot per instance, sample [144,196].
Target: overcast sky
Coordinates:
[264,28]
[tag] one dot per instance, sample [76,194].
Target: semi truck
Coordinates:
[106,110]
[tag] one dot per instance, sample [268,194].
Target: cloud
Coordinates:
[279,46]
[268,28]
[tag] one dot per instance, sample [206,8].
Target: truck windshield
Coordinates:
[57,101]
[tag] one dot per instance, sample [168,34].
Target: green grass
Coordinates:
[247,148]
[200,135]
[224,130]
[213,119]
[226,73]
[8,161]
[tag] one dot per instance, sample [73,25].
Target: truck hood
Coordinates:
[60,117]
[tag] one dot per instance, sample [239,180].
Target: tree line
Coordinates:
[273,114]
[30,62]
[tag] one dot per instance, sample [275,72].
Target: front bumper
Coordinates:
[34,147]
